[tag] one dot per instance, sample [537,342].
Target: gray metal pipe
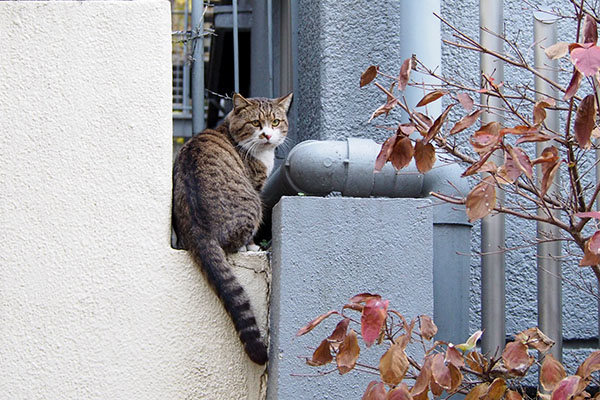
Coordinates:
[322,167]
[493,296]
[549,293]
[198,67]
[236,50]
[425,43]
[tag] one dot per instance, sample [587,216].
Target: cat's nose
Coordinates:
[268,137]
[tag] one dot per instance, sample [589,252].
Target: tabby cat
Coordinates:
[217,179]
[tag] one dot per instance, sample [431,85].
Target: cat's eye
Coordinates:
[255,123]
[275,122]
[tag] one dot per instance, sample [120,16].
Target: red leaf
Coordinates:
[482,199]
[585,119]
[465,122]
[586,58]
[481,166]
[430,97]
[588,214]
[551,373]
[372,319]
[368,76]
[465,100]
[590,30]
[404,75]
[594,243]
[310,326]
[348,353]
[402,153]
[516,358]
[375,391]
[322,355]
[573,85]
[384,153]
[567,388]
[424,156]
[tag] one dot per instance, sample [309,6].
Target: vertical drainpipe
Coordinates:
[425,43]
[198,67]
[492,226]
[236,53]
[549,295]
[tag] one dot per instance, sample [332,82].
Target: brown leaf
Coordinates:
[534,137]
[481,166]
[513,395]
[373,317]
[539,110]
[375,391]
[399,393]
[589,257]
[549,171]
[454,357]
[465,122]
[573,85]
[348,353]
[437,125]
[590,365]
[364,297]
[402,153]
[404,75]
[384,109]
[440,372]
[393,365]
[551,373]
[430,97]
[406,129]
[487,138]
[465,100]
[368,76]
[424,119]
[322,355]
[590,30]
[521,160]
[535,339]
[477,392]
[427,327]
[557,50]
[456,378]
[519,130]
[496,389]
[384,153]
[311,325]
[476,362]
[339,333]
[585,119]
[422,383]
[566,388]
[424,156]
[482,199]
[516,358]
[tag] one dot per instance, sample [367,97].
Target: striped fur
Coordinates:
[217,178]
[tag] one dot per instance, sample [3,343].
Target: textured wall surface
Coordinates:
[324,252]
[94,302]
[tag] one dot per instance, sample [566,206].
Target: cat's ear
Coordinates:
[239,102]
[285,101]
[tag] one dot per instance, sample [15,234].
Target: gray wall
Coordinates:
[337,40]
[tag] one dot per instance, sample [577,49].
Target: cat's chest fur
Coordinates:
[267,158]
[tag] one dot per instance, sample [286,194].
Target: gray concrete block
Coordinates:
[325,250]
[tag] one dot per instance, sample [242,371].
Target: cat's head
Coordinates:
[257,123]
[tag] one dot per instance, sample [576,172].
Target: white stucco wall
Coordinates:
[94,303]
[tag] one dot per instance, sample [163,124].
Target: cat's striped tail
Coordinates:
[217,270]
